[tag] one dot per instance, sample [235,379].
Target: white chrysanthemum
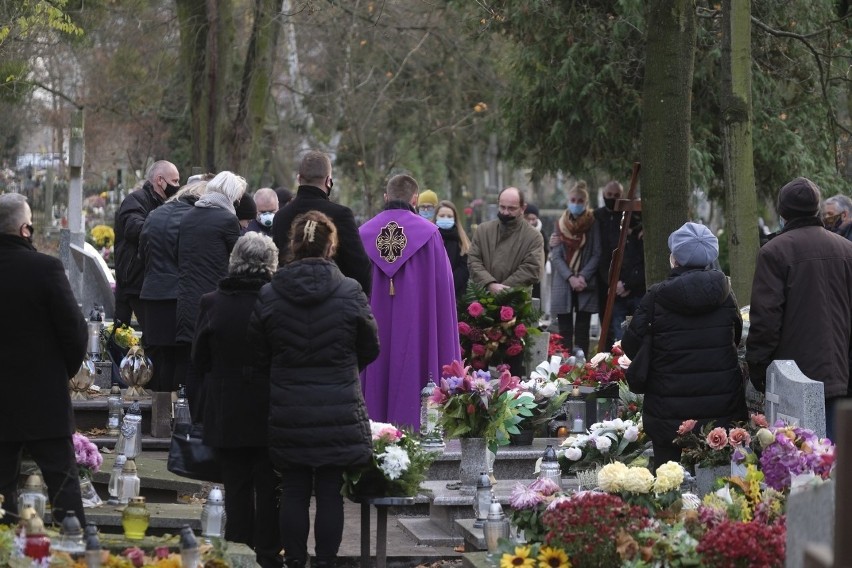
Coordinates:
[573,454]
[638,480]
[619,424]
[579,440]
[631,434]
[548,390]
[393,462]
[669,477]
[611,477]
[603,443]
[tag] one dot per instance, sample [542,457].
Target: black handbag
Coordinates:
[640,365]
[189,457]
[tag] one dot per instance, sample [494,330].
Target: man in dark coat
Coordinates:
[695,325]
[266,201]
[608,221]
[43,346]
[162,181]
[801,298]
[315,185]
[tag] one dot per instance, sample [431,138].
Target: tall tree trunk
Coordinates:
[192,19]
[666,111]
[741,197]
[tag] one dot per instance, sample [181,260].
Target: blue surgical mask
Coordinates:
[576,209]
[445,222]
[427,214]
[266,218]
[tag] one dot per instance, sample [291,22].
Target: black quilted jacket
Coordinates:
[694,369]
[313,331]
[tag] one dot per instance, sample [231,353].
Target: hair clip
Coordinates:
[310,230]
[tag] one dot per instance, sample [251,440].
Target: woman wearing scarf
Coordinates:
[575,251]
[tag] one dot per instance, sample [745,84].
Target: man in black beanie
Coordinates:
[801,298]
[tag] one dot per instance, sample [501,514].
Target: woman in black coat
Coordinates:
[456,243]
[236,398]
[696,327]
[313,332]
[158,249]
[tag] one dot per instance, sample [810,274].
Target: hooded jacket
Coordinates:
[694,370]
[313,332]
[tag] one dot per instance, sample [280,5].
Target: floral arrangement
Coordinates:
[736,543]
[547,390]
[608,441]
[743,498]
[102,236]
[586,525]
[714,445]
[528,503]
[124,336]
[790,451]
[88,457]
[474,405]
[397,468]
[494,327]
[603,369]
[533,556]
[638,486]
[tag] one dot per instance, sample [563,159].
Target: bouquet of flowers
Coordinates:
[397,468]
[608,441]
[547,389]
[528,504]
[743,498]
[638,486]
[475,405]
[790,451]
[102,236]
[713,446]
[123,336]
[88,457]
[493,327]
[602,370]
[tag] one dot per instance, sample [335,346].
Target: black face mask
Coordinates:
[609,203]
[506,218]
[171,189]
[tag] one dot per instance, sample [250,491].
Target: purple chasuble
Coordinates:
[414,303]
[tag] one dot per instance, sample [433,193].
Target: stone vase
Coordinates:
[474,461]
[705,477]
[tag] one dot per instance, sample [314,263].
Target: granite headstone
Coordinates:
[794,398]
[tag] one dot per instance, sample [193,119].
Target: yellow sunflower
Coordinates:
[520,558]
[550,557]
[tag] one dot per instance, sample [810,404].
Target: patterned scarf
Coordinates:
[572,235]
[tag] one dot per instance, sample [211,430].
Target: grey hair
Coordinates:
[13,213]
[266,194]
[254,254]
[228,184]
[156,169]
[195,189]
[842,201]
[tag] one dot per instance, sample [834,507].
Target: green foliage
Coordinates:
[25,18]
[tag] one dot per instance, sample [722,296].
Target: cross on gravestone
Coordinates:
[794,398]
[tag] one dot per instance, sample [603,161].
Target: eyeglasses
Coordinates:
[426,207]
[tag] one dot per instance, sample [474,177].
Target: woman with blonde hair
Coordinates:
[456,243]
[574,255]
[313,332]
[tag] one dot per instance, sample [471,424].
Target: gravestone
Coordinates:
[810,520]
[97,283]
[536,349]
[794,398]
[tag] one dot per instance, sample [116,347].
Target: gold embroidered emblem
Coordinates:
[391,242]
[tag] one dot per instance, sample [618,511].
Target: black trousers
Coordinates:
[55,458]
[296,485]
[251,503]
[575,334]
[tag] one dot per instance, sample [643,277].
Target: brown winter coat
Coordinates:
[512,254]
[801,305]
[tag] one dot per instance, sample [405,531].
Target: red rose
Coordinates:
[464,329]
[475,309]
[565,368]
[759,420]
[514,349]
[617,351]
[506,313]
[685,427]
[494,334]
[478,349]
[520,330]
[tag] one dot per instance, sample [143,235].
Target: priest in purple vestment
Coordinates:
[414,303]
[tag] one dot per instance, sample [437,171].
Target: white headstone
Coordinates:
[794,398]
[810,519]
[97,281]
[536,350]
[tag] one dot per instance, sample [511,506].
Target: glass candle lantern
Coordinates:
[482,499]
[114,475]
[550,466]
[33,494]
[213,515]
[189,554]
[576,407]
[115,406]
[135,519]
[182,417]
[37,543]
[71,534]
[128,482]
[93,551]
[496,527]
[130,438]
[430,418]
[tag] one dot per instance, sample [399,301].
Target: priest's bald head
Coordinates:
[402,188]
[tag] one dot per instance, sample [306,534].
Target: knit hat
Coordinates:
[694,245]
[531,210]
[427,197]
[799,198]
[246,209]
